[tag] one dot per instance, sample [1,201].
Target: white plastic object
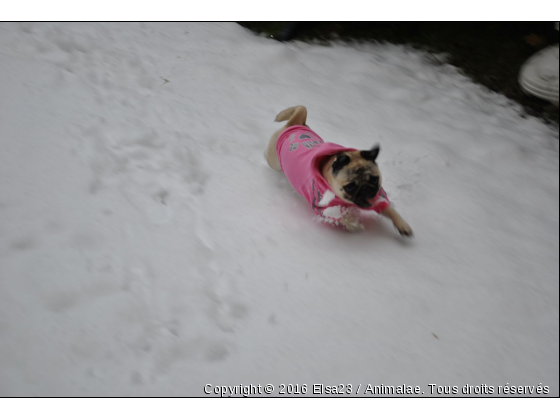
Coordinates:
[539,74]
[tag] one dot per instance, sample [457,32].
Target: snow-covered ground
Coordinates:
[147,250]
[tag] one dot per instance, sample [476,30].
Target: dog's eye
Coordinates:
[350,188]
[340,162]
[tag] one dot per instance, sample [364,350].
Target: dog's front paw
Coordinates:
[404,228]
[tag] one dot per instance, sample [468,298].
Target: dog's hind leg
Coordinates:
[296,115]
[270,152]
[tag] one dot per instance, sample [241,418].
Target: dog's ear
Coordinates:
[340,162]
[370,154]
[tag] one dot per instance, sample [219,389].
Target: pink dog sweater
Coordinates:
[300,152]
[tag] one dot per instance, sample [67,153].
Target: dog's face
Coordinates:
[355,177]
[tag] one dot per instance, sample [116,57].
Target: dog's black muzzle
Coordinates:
[365,193]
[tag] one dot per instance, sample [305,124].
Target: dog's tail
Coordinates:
[296,115]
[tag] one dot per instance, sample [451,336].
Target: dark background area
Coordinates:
[490,53]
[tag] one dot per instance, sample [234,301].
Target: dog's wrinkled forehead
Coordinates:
[362,171]
[356,165]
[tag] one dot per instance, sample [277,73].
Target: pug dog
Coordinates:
[336,181]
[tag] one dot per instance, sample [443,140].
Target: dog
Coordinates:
[336,181]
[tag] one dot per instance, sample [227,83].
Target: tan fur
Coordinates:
[399,223]
[297,115]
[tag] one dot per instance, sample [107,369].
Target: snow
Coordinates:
[335,212]
[146,249]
